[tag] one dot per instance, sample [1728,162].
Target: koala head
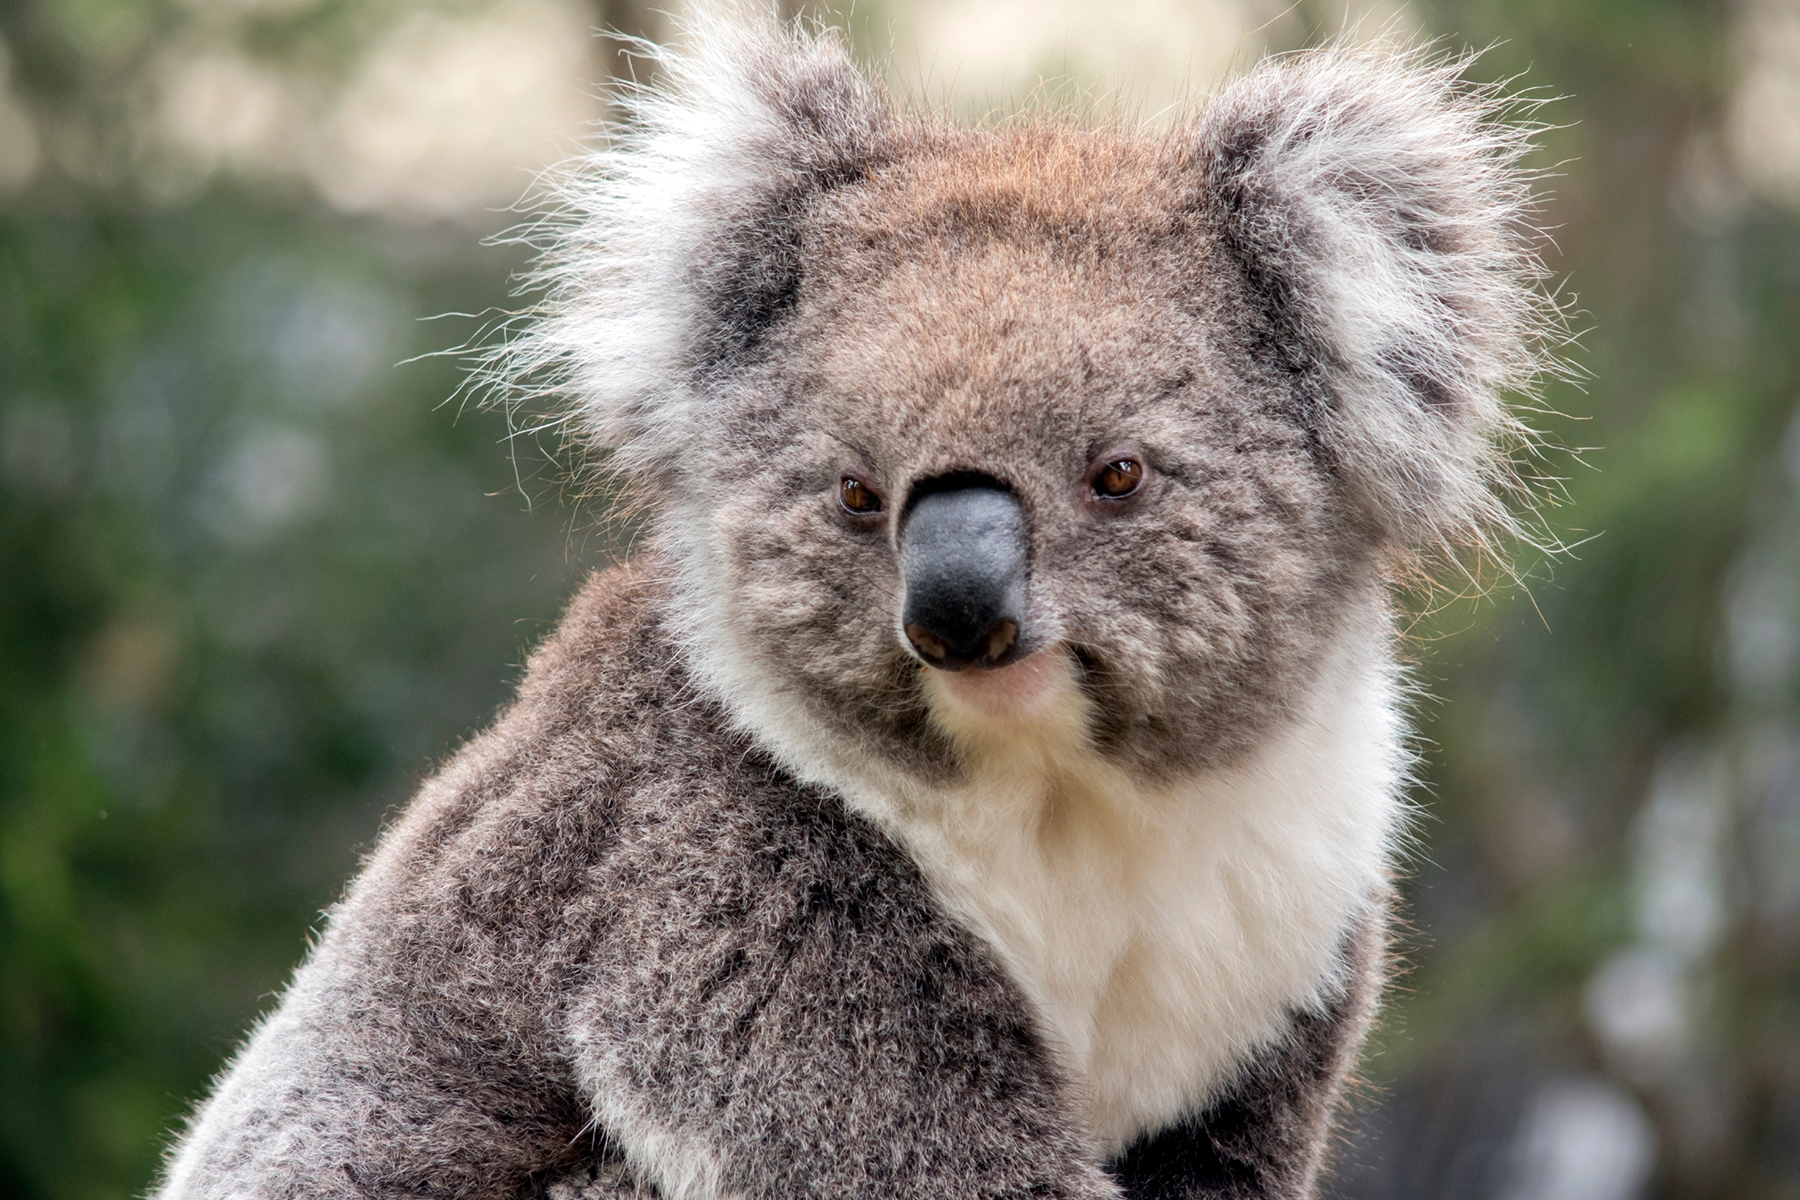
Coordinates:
[935,422]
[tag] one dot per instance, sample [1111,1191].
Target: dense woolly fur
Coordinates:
[669,251]
[740,899]
[1373,201]
[1378,208]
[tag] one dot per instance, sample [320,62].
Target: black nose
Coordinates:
[963,556]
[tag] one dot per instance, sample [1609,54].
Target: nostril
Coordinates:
[929,645]
[991,649]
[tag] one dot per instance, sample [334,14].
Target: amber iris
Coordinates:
[1119,478]
[857,497]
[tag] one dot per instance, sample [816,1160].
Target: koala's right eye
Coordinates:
[857,497]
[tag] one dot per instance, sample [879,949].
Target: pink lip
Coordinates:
[1017,690]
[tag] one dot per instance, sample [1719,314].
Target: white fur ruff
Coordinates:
[1164,935]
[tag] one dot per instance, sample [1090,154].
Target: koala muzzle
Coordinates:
[963,558]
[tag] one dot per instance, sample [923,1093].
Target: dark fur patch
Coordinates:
[1261,1139]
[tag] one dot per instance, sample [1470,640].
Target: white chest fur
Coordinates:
[1165,935]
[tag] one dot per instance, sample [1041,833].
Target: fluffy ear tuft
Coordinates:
[1376,206]
[671,249]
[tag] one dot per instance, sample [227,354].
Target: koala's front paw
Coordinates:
[607,1178]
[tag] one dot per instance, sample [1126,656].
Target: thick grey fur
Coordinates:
[618,932]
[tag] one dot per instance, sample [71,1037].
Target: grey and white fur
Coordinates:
[750,894]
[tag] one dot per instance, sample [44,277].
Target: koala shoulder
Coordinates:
[605,712]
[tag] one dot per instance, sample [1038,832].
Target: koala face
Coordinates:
[1034,317]
[938,422]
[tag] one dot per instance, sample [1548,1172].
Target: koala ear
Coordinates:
[672,249]
[1376,208]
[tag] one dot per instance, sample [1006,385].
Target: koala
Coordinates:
[987,779]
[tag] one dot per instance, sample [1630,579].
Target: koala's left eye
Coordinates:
[1119,478]
[858,497]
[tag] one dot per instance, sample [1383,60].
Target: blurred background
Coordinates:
[259,571]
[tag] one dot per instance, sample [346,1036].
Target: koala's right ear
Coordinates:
[673,249]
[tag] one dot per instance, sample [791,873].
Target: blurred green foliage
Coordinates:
[1562,698]
[255,579]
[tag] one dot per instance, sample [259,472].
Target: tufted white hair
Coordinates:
[746,113]
[1379,202]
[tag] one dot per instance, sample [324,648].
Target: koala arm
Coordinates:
[612,940]
[1266,1138]
[785,1011]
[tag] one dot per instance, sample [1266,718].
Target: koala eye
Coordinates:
[1119,478]
[858,497]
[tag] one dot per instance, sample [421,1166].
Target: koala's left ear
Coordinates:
[1375,207]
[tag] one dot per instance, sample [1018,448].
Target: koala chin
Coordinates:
[986,781]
